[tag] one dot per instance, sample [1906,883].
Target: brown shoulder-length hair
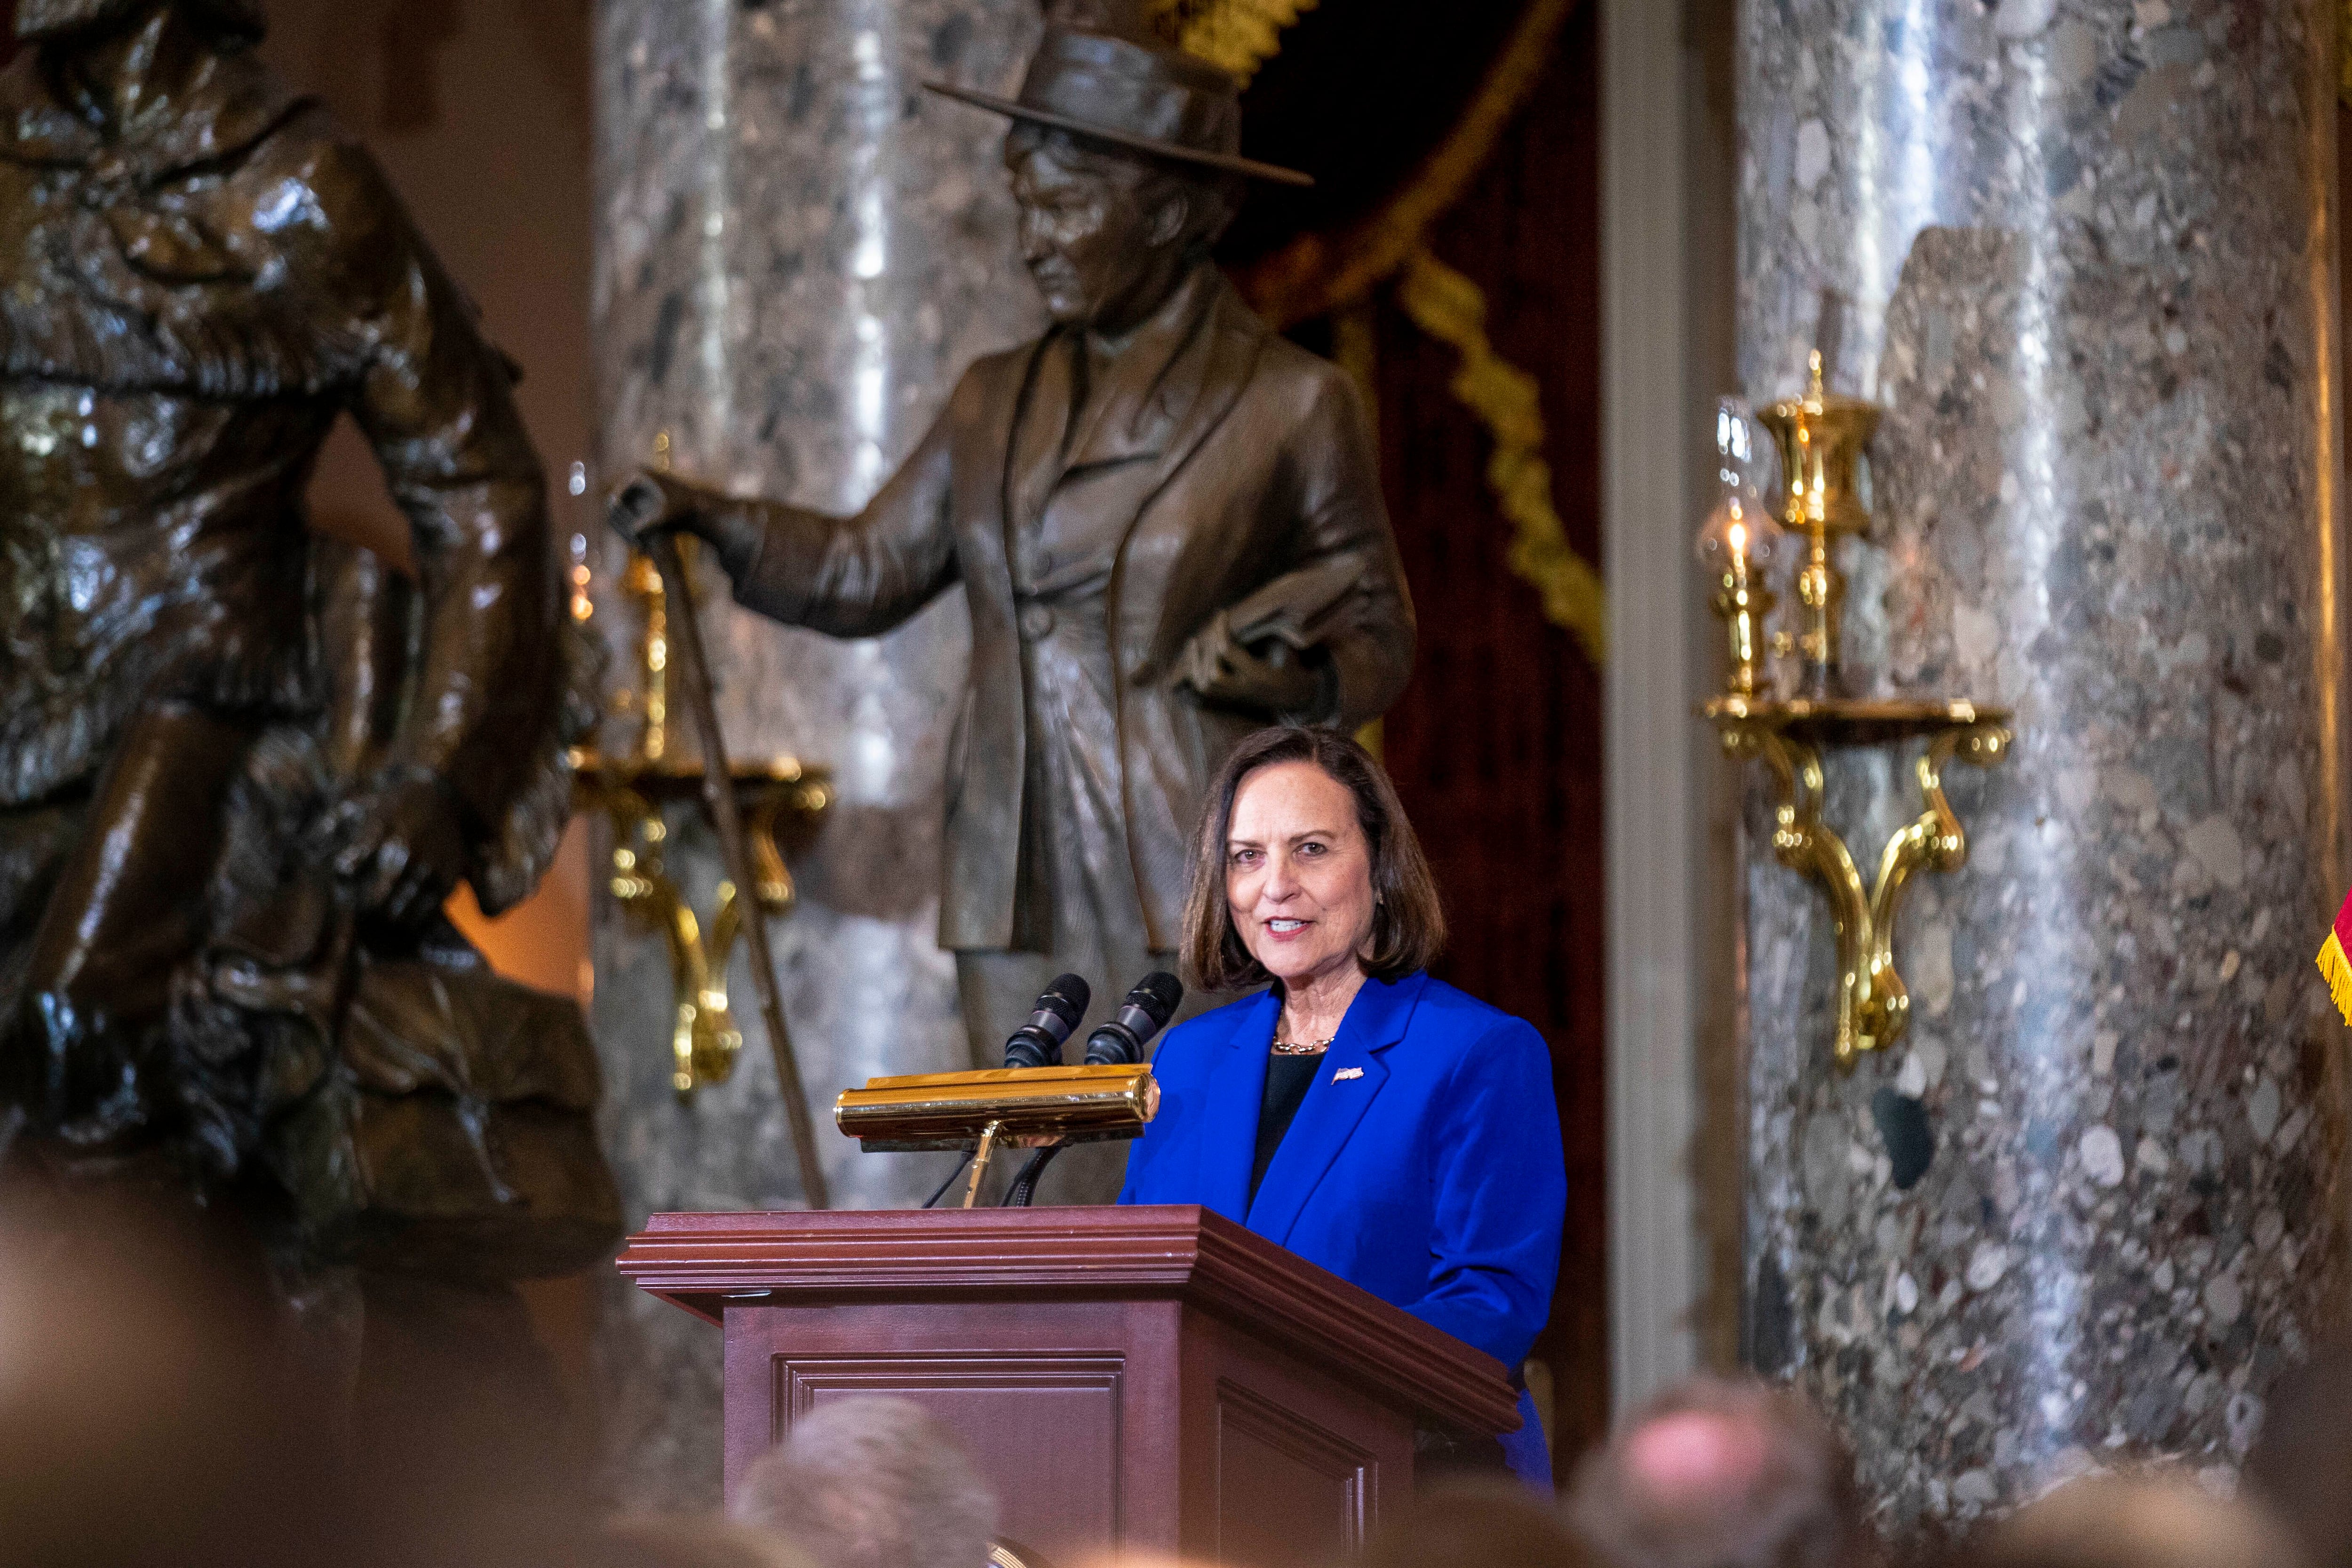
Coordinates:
[1408,921]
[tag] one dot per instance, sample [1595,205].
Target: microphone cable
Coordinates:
[959,1164]
[1024,1185]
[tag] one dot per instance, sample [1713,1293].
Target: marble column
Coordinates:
[2081,251]
[798,251]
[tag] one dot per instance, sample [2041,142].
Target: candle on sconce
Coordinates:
[1739,538]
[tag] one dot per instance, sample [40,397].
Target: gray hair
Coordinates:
[872,1483]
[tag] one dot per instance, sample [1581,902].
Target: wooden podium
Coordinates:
[1238,1405]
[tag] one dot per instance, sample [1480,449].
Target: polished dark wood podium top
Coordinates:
[708,1262]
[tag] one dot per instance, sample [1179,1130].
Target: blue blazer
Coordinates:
[1424,1164]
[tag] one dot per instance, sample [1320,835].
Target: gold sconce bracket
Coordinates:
[782,803]
[1874,1006]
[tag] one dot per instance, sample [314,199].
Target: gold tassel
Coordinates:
[1318,273]
[1450,308]
[2338,972]
[1236,35]
[1239,36]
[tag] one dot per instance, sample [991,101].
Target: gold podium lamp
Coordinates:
[1027,1107]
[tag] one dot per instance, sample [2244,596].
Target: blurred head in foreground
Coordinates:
[2301,1469]
[871,1483]
[162,1405]
[1722,1474]
[2138,1521]
[146,1416]
[1483,1523]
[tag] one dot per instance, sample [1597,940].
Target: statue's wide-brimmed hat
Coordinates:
[1157,100]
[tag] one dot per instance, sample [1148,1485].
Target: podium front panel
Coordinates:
[1056,1403]
[1284,1466]
[1105,1426]
[1143,1381]
[1052,1419]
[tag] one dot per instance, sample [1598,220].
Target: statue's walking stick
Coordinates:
[719,789]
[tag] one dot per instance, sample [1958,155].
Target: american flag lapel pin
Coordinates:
[1345,1073]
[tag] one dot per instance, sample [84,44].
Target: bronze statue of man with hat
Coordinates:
[1168,521]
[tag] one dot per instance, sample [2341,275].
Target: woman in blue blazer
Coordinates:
[1372,1119]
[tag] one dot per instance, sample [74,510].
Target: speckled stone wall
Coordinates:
[798,251]
[2082,252]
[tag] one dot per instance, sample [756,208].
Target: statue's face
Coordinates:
[1098,251]
[39,19]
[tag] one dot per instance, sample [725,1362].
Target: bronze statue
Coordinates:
[240,769]
[1168,521]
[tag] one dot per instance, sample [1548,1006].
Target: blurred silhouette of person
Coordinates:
[162,1405]
[144,1415]
[2156,1519]
[872,1483]
[2301,1467]
[1719,1473]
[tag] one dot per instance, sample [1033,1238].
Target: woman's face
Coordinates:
[1298,873]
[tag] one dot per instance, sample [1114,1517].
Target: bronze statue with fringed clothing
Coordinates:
[240,768]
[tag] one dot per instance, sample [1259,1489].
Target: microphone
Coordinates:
[1145,1012]
[1060,1007]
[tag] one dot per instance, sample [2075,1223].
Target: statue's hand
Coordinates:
[401,846]
[654,503]
[649,502]
[1218,667]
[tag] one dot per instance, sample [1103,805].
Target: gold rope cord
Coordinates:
[1316,274]
[1507,400]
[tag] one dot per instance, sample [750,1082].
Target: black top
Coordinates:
[1288,1080]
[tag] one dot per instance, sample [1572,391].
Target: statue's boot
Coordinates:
[126,910]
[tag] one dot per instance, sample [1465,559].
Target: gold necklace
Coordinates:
[1303,1048]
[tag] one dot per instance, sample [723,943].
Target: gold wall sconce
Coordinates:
[1821,441]
[782,802]
[1822,438]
